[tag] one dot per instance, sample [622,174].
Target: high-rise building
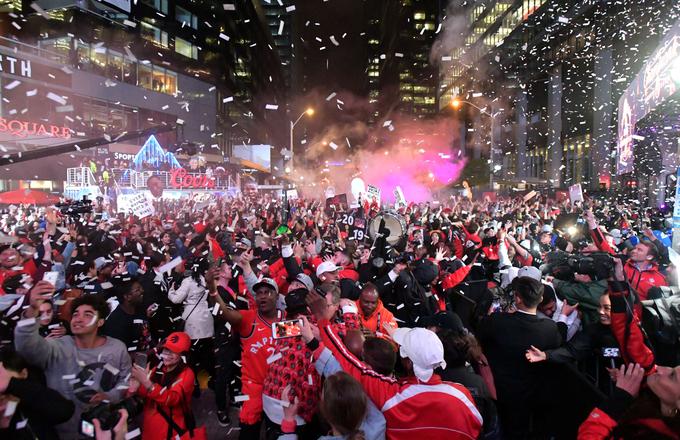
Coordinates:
[401,78]
[561,80]
[118,66]
[279,18]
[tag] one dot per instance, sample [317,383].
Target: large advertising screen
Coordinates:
[658,80]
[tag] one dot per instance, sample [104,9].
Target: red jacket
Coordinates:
[628,335]
[640,280]
[435,410]
[599,426]
[174,400]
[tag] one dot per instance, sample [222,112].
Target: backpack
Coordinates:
[661,321]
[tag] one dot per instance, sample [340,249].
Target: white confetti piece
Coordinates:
[12,85]
[56,98]
[290,8]
[11,408]
[225,37]
[25,322]
[228,99]
[273,358]
[228,7]
[272,107]
[242,398]
[133,434]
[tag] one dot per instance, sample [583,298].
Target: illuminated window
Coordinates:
[429,26]
[373,41]
[183,47]
[154,34]
[184,16]
[419,16]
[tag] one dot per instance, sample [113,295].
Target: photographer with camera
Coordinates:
[84,367]
[641,268]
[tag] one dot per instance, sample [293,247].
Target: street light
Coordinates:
[308,112]
[456,103]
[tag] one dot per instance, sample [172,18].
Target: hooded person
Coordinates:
[372,313]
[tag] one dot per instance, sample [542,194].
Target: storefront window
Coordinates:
[159,83]
[129,71]
[83,55]
[114,69]
[98,57]
[145,77]
[171,80]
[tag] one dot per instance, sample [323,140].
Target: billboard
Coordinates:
[256,154]
[657,81]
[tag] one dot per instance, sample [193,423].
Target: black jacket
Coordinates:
[42,408]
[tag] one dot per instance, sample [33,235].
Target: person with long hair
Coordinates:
[198,321]
[343,406]
[166,391]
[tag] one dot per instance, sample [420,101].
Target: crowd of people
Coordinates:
[504,318]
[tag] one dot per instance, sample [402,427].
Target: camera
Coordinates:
[107,414]
[563,266]
[74,209]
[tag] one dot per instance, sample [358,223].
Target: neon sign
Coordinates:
[179,178]
[24,129]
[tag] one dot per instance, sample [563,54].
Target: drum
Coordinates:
[394,222]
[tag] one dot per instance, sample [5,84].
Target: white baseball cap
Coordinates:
[529,271]
[326,266]
[423,348]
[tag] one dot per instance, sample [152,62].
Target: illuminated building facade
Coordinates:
[553,73]
[401,78]
[124,65]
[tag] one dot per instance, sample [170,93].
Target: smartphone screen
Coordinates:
[51,277]
[287,329]
[140,359]
[87,428]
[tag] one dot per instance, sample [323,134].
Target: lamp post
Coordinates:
[308,112]
[456,103]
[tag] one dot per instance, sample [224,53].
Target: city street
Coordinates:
[374,219]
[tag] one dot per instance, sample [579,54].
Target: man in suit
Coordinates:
[505,337]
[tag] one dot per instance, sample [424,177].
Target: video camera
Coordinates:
[563,265]
[108,415]
[75,208]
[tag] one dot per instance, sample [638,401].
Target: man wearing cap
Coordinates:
[419,406]
[255,330]
[328,272]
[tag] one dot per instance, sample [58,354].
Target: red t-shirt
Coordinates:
[256,346]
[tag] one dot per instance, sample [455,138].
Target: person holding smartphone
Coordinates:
[166,390]
[50,324]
